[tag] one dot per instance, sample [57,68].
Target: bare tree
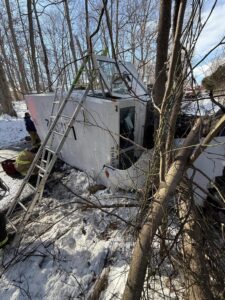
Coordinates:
[72,46]
[125,28]
[5,95]
[32,45]
[162,55]
[46,63]
[170,175]
[194,262]
[16,47]
[24,30]
[6,62]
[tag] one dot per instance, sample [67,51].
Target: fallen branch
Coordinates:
[201,147]
[216,102]
[100,285]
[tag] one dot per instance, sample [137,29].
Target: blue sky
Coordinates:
[211,35]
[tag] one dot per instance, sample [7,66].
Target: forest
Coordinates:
[44,45]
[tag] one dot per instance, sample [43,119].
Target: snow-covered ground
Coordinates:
[68,246]
[76,239]
[12,130]
[201,107]
[64,252]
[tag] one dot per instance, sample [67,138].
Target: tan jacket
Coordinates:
[23,161]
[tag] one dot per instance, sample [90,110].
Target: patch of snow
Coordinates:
[65,261]
[200,107]
[12,130]
[20,108]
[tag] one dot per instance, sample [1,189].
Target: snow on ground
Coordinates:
[12,134]
[10,182]
[12,130]
[73,238]
[75,245]
[64,252]
[68,246]
[200,107]
[20,108]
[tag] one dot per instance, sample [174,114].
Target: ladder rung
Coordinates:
[21,205]
[40,168]
[31,186]
[44,161]
[11,223]
[59,133]
[66,117]
[72,100]
[49,150]
[62,116]
[56,102]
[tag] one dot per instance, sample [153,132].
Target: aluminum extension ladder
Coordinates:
[47,154]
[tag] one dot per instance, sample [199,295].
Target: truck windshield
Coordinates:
[117,81]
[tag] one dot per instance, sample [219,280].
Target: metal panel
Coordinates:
[96,130]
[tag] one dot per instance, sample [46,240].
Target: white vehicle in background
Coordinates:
[107,137]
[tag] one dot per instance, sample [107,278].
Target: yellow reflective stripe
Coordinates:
[23,162]
[2,243]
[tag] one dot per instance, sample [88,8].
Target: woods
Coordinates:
[178,225]
[39,39]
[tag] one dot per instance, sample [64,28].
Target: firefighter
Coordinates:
[30,127]
[24,160]
[19,166]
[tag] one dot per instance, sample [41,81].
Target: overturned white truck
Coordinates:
[106,139]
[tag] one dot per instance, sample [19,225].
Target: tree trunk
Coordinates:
[5,96]
[72,46]
[40,72]
[14,66]
[177,94]
[55,54]
[43,49]
[162,51]
[195,272]
[140,258]
[28,48]
[9,75]
[32,45]
[165,106]
[160,69]
[117,28]
[16,47]
[141,254]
